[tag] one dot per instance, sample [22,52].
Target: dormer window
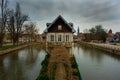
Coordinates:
[59,27]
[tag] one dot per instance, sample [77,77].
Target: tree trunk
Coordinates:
[1,44]
[1,40]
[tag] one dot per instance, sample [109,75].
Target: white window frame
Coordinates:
[67,38]
[59,27]
[59,38]
[52,37]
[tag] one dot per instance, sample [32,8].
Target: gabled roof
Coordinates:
[69,24]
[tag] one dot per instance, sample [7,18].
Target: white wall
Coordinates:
[63,37]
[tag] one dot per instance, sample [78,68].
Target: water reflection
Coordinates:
[21,65]
[6,62]
[71,50]
[97,65]
[93,64]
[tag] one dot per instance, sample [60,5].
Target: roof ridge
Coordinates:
[73,30]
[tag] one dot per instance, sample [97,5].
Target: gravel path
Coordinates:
[60,57]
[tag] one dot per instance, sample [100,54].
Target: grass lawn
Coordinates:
[7,47]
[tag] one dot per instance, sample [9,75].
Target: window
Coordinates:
[59,27]
[52,37]
[67,38]
[59,37]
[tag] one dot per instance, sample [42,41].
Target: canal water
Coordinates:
[93,64]
[97,65]
[24,64]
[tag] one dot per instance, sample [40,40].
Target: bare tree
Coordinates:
[3,20]
[19,20]
[11,26]
[15,23]
[31,30]
[86,31]
[98,33]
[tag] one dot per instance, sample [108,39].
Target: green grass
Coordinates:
[7,47]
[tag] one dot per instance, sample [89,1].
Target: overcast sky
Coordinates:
[82,13]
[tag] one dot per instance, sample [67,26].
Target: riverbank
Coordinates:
[2,52]
[23,64]
[14,48]
[60,65]
[105,47]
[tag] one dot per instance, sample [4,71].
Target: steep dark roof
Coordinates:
[50,24]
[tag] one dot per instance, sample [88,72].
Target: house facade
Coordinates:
[116,38]
[59,31]
[110,37]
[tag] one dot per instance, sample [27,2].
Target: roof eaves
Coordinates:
[73,30]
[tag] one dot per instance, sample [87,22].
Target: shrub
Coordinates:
[74,64]
[43,73]
[44,69]
[48,55]
[43,77]
[75,71]
[46,61]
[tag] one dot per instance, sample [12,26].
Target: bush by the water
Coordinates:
[43,77]
[46,60]
[75,71]
[44,69]
[43,73]
[74,64]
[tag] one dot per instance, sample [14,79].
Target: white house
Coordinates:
[59,31]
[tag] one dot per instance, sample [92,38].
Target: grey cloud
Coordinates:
[99,11]
[78,11]
[92,9]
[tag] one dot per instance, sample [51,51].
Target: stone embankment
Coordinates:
[2,52]
[105,47]
[12,49]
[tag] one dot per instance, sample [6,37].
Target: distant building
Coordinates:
[75,38]
[26,38]
[110,37]
[117,37]
[81,37]
[38,38]
[59,31]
